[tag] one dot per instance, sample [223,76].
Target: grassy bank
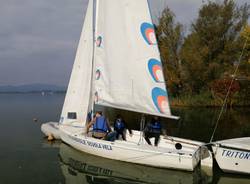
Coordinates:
[206,100]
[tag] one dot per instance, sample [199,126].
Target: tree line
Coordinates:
[199,66]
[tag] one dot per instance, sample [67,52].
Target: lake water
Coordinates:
[26,157]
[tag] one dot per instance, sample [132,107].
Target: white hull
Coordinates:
[163,156]
[51,129]
[233,155]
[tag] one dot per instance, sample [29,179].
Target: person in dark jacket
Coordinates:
[120,127]
[153,129]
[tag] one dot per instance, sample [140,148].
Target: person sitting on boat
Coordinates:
[153,129]
[120,127]
[101,127]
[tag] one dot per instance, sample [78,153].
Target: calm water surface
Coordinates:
[26,157]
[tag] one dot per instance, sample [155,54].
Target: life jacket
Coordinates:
[155,127]
[119,125]
[100,125]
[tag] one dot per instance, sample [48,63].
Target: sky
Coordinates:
[38,38]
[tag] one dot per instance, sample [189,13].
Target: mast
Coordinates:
[92,95]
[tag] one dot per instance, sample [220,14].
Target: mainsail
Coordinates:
[79,90]
[122,69]
[127,60]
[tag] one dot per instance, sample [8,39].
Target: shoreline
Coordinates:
[185,102]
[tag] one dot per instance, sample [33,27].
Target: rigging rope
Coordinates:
[229,89]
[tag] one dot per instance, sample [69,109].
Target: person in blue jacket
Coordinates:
[153,129]
[101,127]
[120,127]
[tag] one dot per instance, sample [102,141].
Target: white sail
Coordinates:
[127,60]
[79,90]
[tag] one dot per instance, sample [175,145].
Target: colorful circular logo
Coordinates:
[155,69]
[148,33]
[97,74]
[160,99]
[99,41]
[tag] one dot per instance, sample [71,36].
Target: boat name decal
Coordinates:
[236,154]
[92,144]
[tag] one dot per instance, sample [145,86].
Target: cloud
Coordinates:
[38,39]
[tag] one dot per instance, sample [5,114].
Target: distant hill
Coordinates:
[32,88]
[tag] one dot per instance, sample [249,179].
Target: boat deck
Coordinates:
[240,143]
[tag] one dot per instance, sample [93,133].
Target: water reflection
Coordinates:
[78,167]
[198,123]
[233,180]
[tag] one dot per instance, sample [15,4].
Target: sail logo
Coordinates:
[99,41]
[148,33]
[155,69]
[160,99]
[97,74]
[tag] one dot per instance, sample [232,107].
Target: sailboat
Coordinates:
[233,155]
[118,65]
[79,167]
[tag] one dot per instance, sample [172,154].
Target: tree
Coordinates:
[245,34]
[170,39]
[244,68]
[214,45]
[220,89]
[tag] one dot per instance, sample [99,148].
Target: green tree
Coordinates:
[244,68]
[213,47]
[170,39]
[220,88]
